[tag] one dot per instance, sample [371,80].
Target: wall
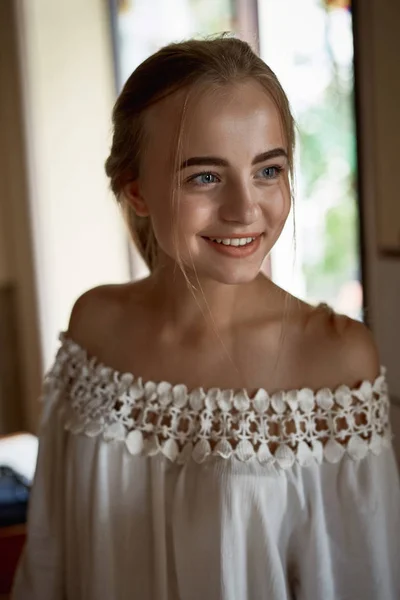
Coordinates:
[378,50]
[5,269]
[69,90]
[20,356]
[68,85]
[60,230]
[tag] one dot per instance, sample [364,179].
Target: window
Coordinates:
[309,45]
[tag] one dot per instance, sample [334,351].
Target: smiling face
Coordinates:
[232,194]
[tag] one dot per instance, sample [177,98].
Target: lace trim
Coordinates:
[282,428]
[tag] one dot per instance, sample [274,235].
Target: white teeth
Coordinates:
[233,241]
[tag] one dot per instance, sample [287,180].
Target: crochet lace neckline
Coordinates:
[297,425]
[97,366]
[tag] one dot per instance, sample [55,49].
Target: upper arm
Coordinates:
[40,572]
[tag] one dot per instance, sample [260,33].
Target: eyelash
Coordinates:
[192,178]
[277,168]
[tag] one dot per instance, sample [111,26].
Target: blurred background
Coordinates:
[61,66]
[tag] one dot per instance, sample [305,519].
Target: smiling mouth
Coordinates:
[235,247]
[234,241]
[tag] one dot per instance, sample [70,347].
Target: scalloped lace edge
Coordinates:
[71,348]
[284,457]
[101,400]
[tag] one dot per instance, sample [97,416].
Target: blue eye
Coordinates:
[205,178]
[271,172]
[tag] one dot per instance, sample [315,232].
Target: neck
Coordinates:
[200,305]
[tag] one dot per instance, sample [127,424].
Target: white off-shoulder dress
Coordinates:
[149,491]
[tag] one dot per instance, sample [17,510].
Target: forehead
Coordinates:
[235,119]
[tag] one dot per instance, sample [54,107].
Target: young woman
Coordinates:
[206,435]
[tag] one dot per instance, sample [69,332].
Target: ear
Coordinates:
[135,199]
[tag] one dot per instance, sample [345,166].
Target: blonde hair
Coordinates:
[218,61]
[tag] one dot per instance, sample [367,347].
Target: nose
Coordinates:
[240,204]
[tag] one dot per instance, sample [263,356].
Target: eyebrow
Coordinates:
[215,161]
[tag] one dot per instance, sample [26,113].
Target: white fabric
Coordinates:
[19,452]
[113,519]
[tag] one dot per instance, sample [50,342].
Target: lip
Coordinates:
[234,236]
[236,251]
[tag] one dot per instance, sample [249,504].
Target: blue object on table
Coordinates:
[14,496]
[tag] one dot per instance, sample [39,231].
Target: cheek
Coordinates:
[192,215]
[158,197]
[174,219]
[195,213]
[279,204]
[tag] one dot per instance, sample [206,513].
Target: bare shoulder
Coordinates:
[360,356]
[95,314]
[348,347]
